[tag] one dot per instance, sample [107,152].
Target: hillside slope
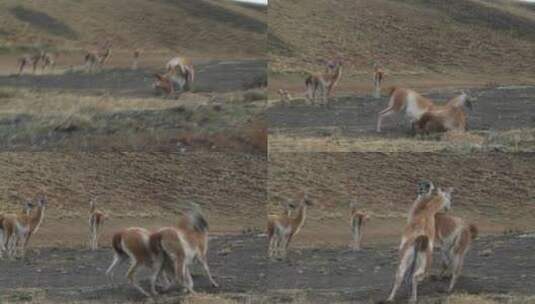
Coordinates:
[417,35]
[189,26]
[136,184]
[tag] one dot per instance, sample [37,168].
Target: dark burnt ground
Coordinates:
[211,76]
[495,109]
[495,264]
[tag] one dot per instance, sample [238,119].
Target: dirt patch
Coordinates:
[496,109]
[495,264]
[212,76]
[74,274]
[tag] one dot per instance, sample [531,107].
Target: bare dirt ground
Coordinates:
[496,109]
[211,76]
[501,120]
[495,264]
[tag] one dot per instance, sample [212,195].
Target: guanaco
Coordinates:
[181,245]
[181,72]
[450,117]
[98,58]
[358,219]
[285,96]
[378,76]
[455,237]
[172,255]
[164,83]
[323,83]
[49,60]
[4,232]
[20,228]
[29,60]
[96,221]
[282,228]
[137,53]
[133,244]
[417,242]
[401,99]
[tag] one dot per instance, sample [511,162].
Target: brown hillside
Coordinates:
[179,25]
[472,36]
[137,185]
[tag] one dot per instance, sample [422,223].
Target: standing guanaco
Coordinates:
[8,229]
[181,72]
[358,219]
[323,83]
[29,60]
[282,228]
[378,76]
[20,228]
[96,220]
[135,62]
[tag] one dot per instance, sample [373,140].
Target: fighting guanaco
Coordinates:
[401,99]
[358,219]
[323,83]
[453,234]
[181,246]
[450,117]
[96,221]
[417,242]
[282,228]
[133,244]
[181,72]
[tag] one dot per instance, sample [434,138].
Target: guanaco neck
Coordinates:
[37,218]
[435,205]
[299,219]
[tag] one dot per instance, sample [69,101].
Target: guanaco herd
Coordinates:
[424,115]
[178,78]
[169,251]
[428,223]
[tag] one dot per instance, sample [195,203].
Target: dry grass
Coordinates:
[464,142]
[37,120]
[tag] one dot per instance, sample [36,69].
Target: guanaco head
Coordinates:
[289,206]
[446,196]
[307,201]
[424,187]
[42,201]
[162,82]
[27,207]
